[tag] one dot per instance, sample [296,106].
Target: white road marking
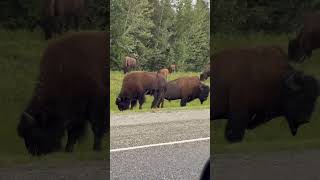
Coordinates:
[160,144]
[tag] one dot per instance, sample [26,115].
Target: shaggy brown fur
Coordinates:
[205,73]
[129,64]
[164,72]
[172,68]
[136,84]
[73,88]
[253,85]
[186,89]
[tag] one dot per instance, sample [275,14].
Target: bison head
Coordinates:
[204,92]
[39,138]
[123,103]
[300,95]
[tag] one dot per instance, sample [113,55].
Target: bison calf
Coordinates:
[206,73]
[72,90]
[136,85]
[186,89]
[129,64]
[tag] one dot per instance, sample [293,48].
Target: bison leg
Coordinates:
[74,134]
[98,120]
[236,127]
[156,100]
[183,102]
[133,103]
[141,101]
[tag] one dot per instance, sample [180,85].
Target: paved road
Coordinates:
[266,166]
[178,160]
[93,170]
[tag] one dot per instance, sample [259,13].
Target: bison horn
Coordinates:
[29,118]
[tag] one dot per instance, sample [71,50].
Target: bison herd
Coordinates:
[137,84]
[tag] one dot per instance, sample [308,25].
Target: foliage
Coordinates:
[17,14]
[160,33]
[275,16]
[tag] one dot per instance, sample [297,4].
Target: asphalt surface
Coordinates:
[178,160]
[266,166]
[93,170]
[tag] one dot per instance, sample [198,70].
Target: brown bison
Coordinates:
[129,64]
[72,90]
[186,89]
[172,68]
[59,14]
[254,85]
[205,73]
[164,72]
[307,40]
[136,85]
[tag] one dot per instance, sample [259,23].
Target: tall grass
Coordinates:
[20,53]
[116,78]
[274,135]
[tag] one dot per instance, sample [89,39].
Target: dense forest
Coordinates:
[23,14]
[160,33]
[272,16]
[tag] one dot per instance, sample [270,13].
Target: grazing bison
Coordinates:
[129,64]
[172,68]
[186,89]
[72,90]
[255,85]
[136,85]
[164,72]
[206,73]
[307,40]
[59,14]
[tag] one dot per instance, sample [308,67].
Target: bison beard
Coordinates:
[138,84]
[264,86]
[72,91]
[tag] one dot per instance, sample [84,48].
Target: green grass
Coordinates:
[275,135]
[116,78]
[20,53]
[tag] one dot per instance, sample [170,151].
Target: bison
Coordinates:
[186,89]
[164,72]
[307,40]
[205,73]
[172,68]
[129,64]
[255,85]
[72,90]
[136,85]
[59,14]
